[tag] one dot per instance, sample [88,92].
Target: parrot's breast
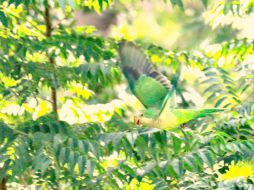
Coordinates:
[167,120]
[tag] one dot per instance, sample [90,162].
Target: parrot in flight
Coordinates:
[154,91]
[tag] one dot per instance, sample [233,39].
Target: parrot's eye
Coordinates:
[142,115]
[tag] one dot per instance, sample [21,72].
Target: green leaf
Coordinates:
[101,4]
[176,143]
[178,167]
[81,164]
[207,157]
[83,146]
[64,154]
[72,160]
[18,2]
[3,19]
[27,2]
[41,162]
[189,163]
[179,3]
[90,165]
[129,170]
[213,88]
[219,102]
[205,2]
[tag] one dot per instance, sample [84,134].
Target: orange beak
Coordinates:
[136,120]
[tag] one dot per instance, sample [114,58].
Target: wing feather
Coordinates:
[149,85]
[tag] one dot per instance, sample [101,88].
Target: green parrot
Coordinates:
[154,91]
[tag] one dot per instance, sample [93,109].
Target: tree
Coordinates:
[48,66]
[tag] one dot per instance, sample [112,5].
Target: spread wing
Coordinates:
[146,83]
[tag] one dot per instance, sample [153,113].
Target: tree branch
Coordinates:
[51,60]
[3,183]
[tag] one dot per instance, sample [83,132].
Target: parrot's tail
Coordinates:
[185,115]
[208,111]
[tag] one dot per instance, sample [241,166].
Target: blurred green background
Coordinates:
[66,110]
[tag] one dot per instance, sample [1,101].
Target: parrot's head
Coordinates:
[145,117]
[140,120]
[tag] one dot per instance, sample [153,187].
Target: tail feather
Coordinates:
[207,111]
[185,115]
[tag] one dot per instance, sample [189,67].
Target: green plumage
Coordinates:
[151,112]
[171,118]
[154,91]
[186,115]
[189,114]
[149,91]
[147,84]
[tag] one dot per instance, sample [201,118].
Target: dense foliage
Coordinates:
[64,123]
